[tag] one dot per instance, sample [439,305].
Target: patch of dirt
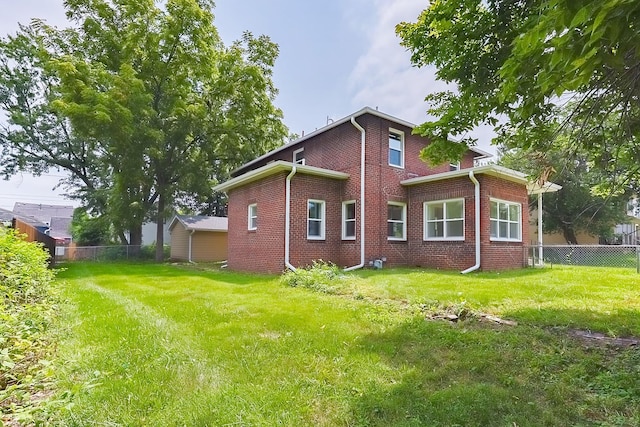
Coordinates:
[596,339]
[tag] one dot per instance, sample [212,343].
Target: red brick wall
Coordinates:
[461,254]
[261,250]
[502,255]
[457,255]
[339,149]
[304,250]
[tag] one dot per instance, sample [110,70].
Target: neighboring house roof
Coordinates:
[365,110]
[200,223]
[60,228]
[275,167]
[492,170]
[6,215]
[42,213]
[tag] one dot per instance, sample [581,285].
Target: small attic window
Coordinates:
[298,156]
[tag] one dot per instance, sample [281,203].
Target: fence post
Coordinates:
[638,259]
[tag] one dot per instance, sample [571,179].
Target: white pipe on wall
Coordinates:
[190,243]
[287,216]
[477,223]
[362,187]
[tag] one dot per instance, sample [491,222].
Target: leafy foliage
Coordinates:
[142,104]
[88,230]
[320,276]
[516,61]
[27,308]
[578,206]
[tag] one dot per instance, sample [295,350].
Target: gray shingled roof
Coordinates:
[201,222]
[60,228]
[41,212]
[5,215]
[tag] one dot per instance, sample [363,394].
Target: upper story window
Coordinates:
[506,221]
[396,148]
[252,217]
[298,156]
[444,220]
[349,220]
[315,219]
[454,166]
[396,221]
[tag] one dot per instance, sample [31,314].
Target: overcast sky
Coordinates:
[336,57]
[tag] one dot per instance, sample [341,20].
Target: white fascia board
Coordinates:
[491,170]
[275,167]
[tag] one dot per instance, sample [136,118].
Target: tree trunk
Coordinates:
[135,235]
[569,235]
[160,230]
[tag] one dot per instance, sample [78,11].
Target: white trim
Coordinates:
[402,147]
[344,220]
[321,220]
[403,222]
[443,221]
[509,221]
[301,161]
[491,170]
[251,216]
[275,167]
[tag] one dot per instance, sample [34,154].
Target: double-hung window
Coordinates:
[315,219]
[349,220]
[444,220]
[252,217]
[506,221]
[396,148]
[396,221]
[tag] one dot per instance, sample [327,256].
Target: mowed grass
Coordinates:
[151,345]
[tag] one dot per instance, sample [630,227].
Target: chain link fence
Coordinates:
[107,253]
[626,256]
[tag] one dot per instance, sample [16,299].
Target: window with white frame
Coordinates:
[506,220]
[444,220]
[298,156]
[315,219]
[396,221]
[396,148]
[252,217]
[349,220]
[454,166]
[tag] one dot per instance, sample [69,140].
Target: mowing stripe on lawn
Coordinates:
[175,339]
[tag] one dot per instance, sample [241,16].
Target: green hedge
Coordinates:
[27,308]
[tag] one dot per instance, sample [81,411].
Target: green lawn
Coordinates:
[161,345]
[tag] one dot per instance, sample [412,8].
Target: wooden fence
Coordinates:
[32,234]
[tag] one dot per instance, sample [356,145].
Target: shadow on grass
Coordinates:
[618,323]
[477,374]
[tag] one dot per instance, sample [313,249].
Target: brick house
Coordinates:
[357,194]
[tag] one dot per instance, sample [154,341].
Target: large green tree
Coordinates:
[146,96]
[578,207]
[515,62]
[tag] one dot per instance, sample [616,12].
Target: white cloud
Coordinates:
[384,76]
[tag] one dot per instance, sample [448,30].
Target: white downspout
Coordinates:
[477,224]
[287,219]
[540,250]
[190,244]
[362,177]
